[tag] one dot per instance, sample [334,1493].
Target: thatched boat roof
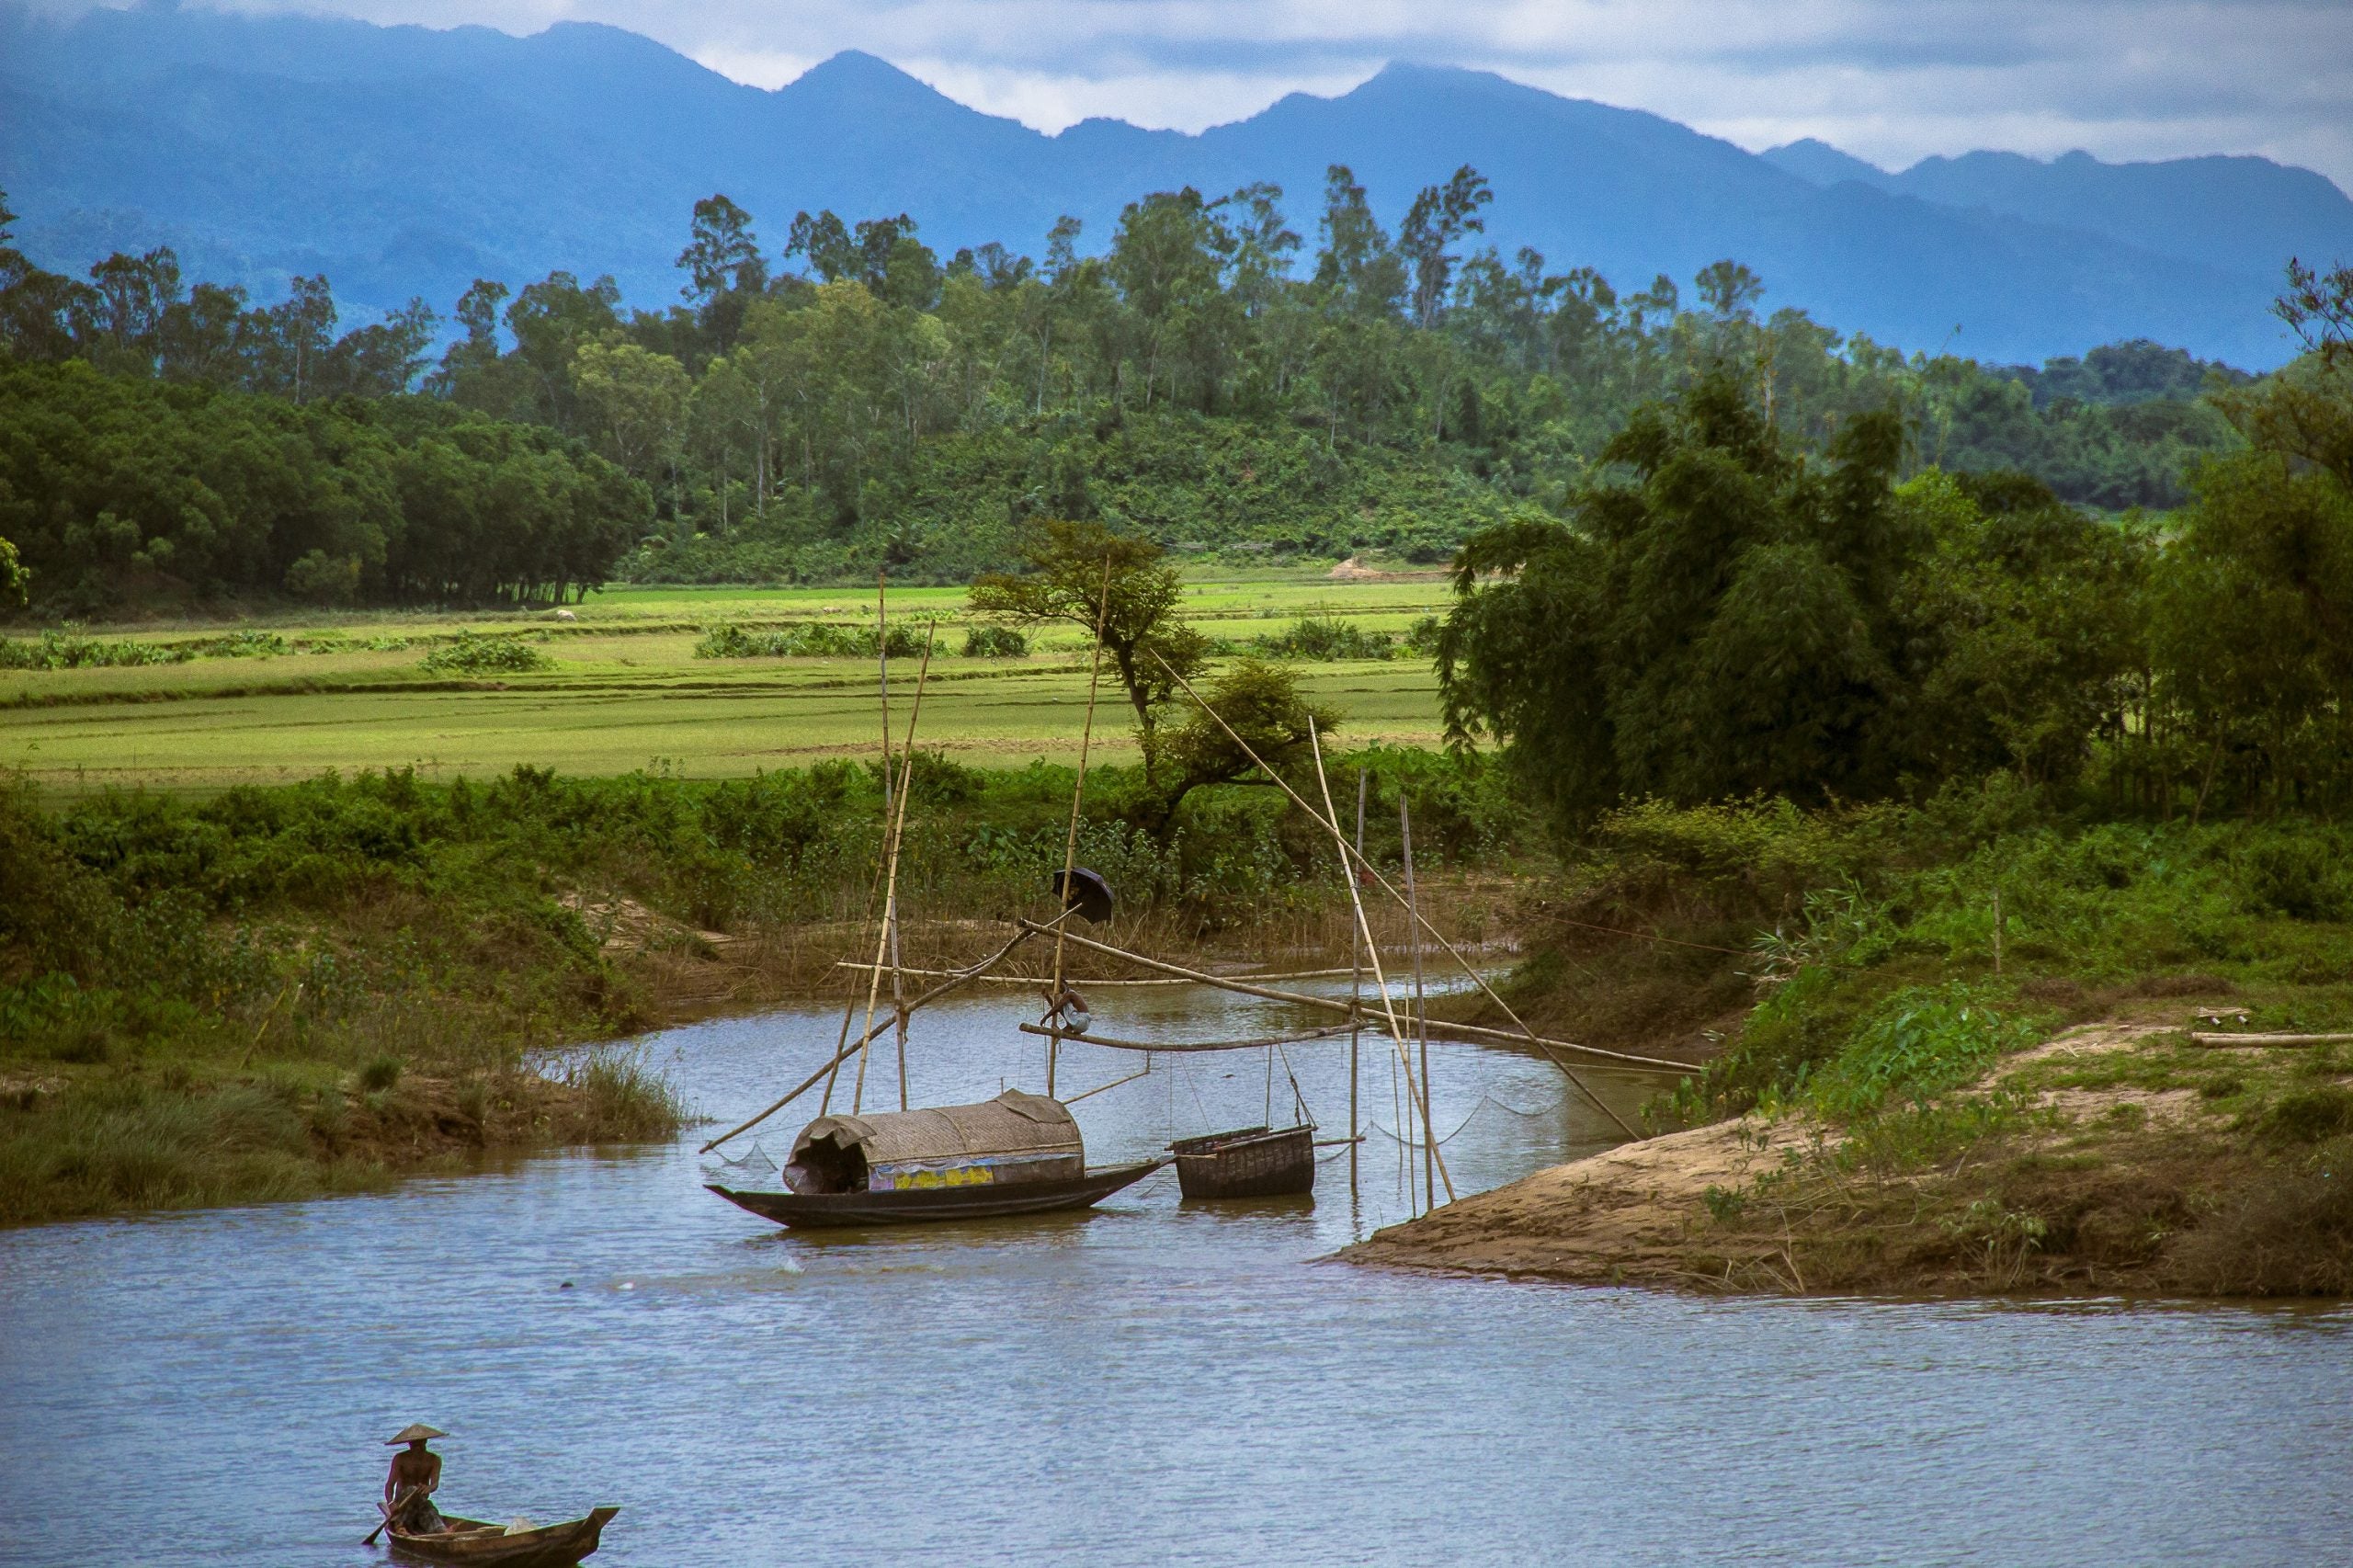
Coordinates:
[1013,1123]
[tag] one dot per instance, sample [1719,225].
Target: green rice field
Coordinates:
[625,690]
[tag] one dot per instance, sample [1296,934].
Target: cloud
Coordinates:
[1889,80]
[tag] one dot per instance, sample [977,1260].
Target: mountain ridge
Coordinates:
[403,160]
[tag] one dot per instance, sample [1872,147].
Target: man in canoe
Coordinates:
[416,1473]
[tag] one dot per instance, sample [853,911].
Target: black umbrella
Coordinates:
[1088,893]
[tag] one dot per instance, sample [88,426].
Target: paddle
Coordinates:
[402,1501]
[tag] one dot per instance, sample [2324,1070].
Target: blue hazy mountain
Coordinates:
[2226,212]
[406,161]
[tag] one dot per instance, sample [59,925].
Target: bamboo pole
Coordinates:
[890,911]
[1037,980]
[890,881]
[1447,1030]
[1421,1001]
[1112,1084]
[1356,993]
[844,1053]
[1069,844]
[1330,820]
[1188,1047]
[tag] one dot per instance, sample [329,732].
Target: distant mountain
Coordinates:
[2236,214]
[406,160]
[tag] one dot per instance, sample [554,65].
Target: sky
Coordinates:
[1891,81]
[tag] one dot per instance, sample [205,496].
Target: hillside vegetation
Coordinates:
[851,400]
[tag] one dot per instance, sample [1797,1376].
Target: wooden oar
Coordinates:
[402,1501]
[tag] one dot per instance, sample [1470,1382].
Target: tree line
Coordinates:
[1213,377]
[156,442]
[116,490]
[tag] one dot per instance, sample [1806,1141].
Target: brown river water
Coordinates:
[1149,1383]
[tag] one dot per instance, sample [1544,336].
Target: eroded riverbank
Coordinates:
[2119,1156]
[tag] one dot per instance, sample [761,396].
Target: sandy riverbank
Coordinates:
[2117,1157]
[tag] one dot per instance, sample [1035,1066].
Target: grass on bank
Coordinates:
[1862,997]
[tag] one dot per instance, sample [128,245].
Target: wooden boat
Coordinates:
[1018,1153]
[478,1541]
[904,1206]
[1250,1162]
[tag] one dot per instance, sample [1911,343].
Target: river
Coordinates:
[1150,1383]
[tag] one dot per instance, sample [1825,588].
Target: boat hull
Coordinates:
[807,1211]
[1252,1163]
[477,1541]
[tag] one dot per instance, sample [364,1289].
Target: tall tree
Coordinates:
[724,268]
[1441,214]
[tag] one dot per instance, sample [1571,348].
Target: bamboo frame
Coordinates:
[1326,1004]
[1184,1047]
[1331,820]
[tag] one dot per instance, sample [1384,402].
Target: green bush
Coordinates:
[63,651]
[472,656]
[1327,638]
[810,639]
[995,642]
[1917,1044]
[2308,1116]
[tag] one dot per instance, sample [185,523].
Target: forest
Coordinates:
[850,399]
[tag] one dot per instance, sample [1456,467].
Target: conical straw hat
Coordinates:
[415,1432]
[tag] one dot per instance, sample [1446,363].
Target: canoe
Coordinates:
[913,1205]
[478,1541]
[1250,1162]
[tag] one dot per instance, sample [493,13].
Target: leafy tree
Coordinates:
[1260,704]
[724,268]
[1356,270]
[1075,570]
[1441,215]
[1723,623]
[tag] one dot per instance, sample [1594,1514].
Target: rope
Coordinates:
[1484,1101]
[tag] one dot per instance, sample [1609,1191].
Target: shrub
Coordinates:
[469,654]
[2299,878]
[2307,1115]
[62,651]
[381,1074]
[811,640]
[995,642]
[1325,637]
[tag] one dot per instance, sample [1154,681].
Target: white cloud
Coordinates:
[1889,80]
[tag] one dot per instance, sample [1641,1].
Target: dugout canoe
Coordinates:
[477,1543]
[817,1210]
[1249,1162]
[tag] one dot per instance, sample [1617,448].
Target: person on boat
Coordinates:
[416,1473]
